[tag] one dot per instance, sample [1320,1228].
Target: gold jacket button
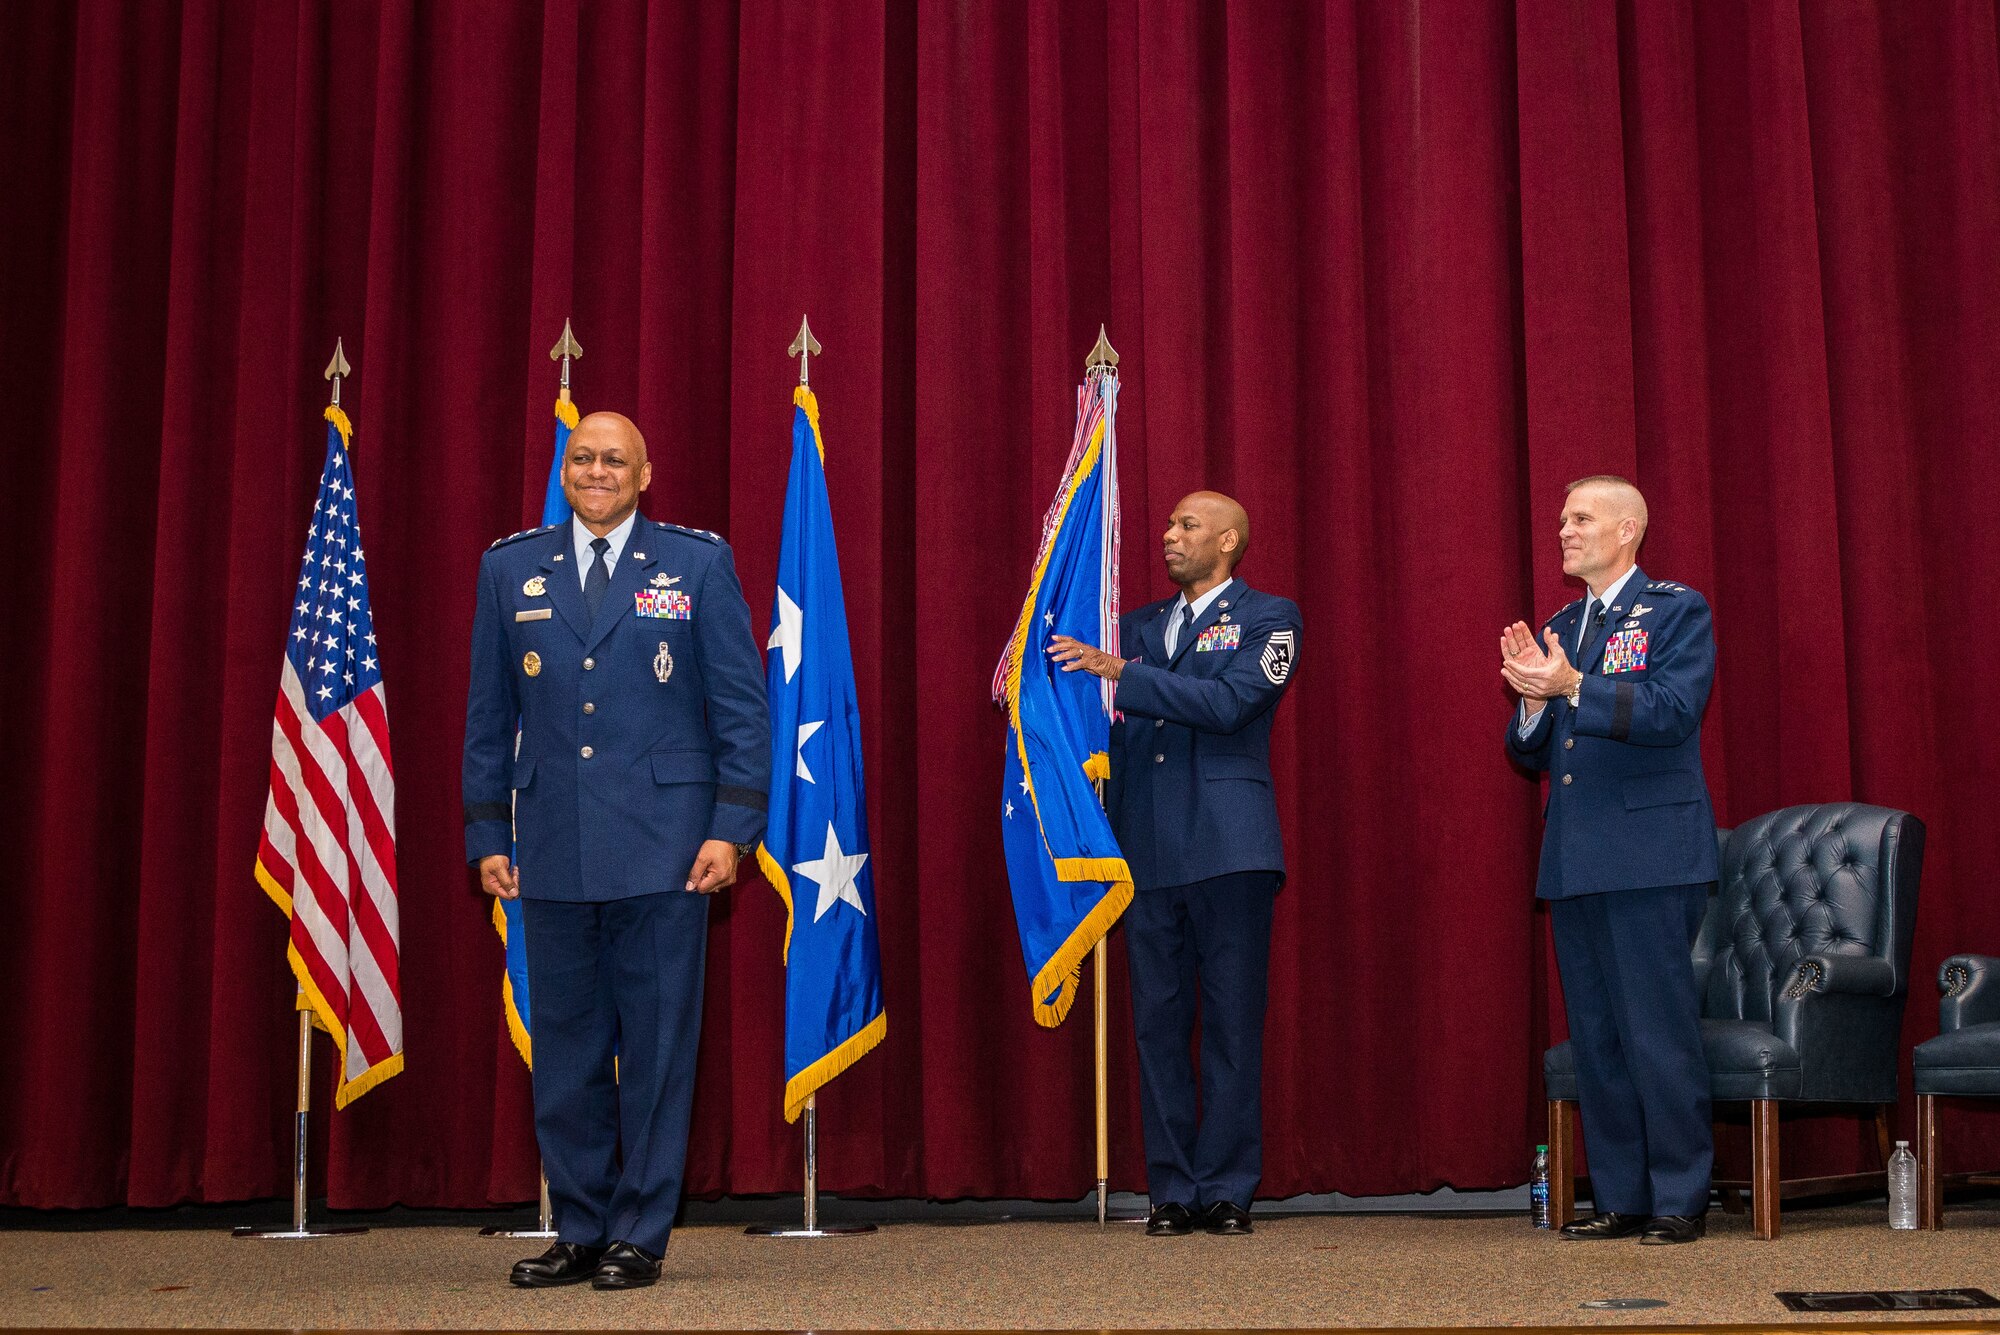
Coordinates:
[1566,777]
[589,708]
[589,663]
[586,756]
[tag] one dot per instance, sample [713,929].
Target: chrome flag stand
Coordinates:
[298,1228]
[812,1228]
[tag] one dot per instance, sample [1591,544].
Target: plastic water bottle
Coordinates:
[1902,1187]
[1538,1190]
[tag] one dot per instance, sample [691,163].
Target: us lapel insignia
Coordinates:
[663,663]
[531,663]
[535,587]
[638,556]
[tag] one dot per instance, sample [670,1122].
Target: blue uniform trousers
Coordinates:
[1635,1027]
[617,981]
[1211,939]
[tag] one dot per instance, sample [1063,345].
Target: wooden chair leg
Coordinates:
[1562,1162]
[1732,1200]
[1930,1174]
[1884,1145]
[1764,1169]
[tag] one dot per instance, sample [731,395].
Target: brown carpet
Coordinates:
[1318,1270]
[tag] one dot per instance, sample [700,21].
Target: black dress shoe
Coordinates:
[1668,1229]
[1227,1219]
[563,1263]
[625,1267]
[1171,1220]
[1609,1224]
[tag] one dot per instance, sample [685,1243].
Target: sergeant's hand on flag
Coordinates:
[1075,654]
[498,877]
[714,868]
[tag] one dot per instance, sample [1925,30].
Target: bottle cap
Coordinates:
[1541,1149]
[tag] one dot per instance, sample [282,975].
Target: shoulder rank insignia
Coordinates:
[535,587]
[1665,586]
[524,533]
[702,533]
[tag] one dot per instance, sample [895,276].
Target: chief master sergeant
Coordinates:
[623,647]
[1611,705]
[1191,802]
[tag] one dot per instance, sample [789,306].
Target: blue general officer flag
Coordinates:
[1069,877]
[815,849]
[507,912]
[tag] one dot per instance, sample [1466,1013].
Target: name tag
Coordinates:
[1625,652]
[535,614]
[664,604]
[1219,637]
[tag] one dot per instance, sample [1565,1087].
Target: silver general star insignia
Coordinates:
[663,663]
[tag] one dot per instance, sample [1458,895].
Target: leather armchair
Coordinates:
[1803,966]
[1963,1061]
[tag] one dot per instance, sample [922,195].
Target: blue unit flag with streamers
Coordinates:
[815,849]
[1069,877]
[507,912]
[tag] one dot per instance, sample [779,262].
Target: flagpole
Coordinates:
[566,350]
[1102,361]
[302,1104]
[805,347]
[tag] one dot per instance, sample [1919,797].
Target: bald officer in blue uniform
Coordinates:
[1611,703]
[624,649]
[1190,799]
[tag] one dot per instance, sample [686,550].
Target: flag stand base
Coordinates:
[812,1228]
[298,1231]
[544,1230]
[824,1231]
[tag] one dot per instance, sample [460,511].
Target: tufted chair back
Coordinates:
[1834,879]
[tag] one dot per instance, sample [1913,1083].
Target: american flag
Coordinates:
[328,852]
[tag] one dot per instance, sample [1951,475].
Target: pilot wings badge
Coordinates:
[663,663]
[1276,661]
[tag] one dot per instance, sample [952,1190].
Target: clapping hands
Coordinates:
[1535,671]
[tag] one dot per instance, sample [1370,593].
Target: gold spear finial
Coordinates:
[804,347]
[337,368]
[566,348]
[1103,357]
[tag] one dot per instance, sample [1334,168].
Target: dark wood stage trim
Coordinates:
[1323,1271]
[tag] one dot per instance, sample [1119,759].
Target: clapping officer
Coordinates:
[1190,800]
[1611,702]
[623,648]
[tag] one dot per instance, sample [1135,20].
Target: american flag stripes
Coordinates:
[328,852]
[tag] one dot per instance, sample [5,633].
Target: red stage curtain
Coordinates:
[1392,273]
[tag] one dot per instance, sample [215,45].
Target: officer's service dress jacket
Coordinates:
[1190,793]
[643,730]
[1628,808]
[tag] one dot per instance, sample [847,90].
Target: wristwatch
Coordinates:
[745,850]
[1575,693]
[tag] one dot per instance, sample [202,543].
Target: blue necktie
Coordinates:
[1593,617]
[597,581]
[1187,624]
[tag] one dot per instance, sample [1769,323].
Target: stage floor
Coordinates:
[1298,1271]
